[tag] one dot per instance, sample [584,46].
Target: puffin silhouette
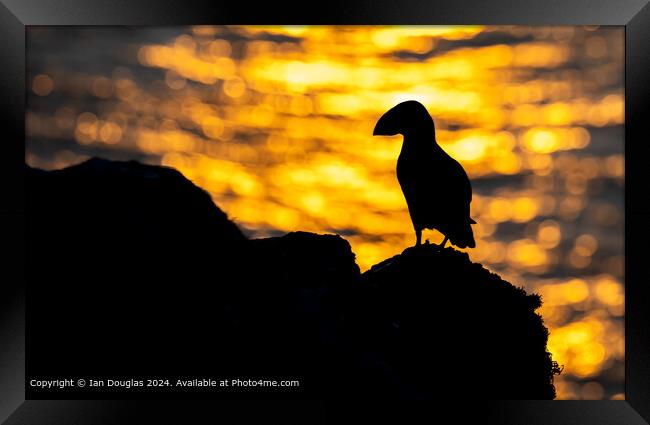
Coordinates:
[436,187]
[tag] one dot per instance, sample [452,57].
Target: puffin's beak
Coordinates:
[386,126]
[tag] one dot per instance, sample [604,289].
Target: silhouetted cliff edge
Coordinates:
[135,271]
[436,317]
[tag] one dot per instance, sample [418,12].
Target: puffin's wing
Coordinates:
[461,233]
[462,193]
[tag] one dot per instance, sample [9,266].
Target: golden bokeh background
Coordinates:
[276,124]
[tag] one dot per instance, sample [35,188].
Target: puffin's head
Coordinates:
[406,118]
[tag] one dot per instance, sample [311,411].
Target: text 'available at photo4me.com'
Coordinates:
[191,384]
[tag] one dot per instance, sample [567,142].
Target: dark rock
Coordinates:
[292,307]
[293,258]
[135,272]
[128,263]
[432,321]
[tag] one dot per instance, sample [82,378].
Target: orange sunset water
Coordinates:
[276,124]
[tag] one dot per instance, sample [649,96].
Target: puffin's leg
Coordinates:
[444,242]
[418,237]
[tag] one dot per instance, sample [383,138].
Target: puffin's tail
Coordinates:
[463,236]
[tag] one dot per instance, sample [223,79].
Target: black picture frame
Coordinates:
[16,15]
